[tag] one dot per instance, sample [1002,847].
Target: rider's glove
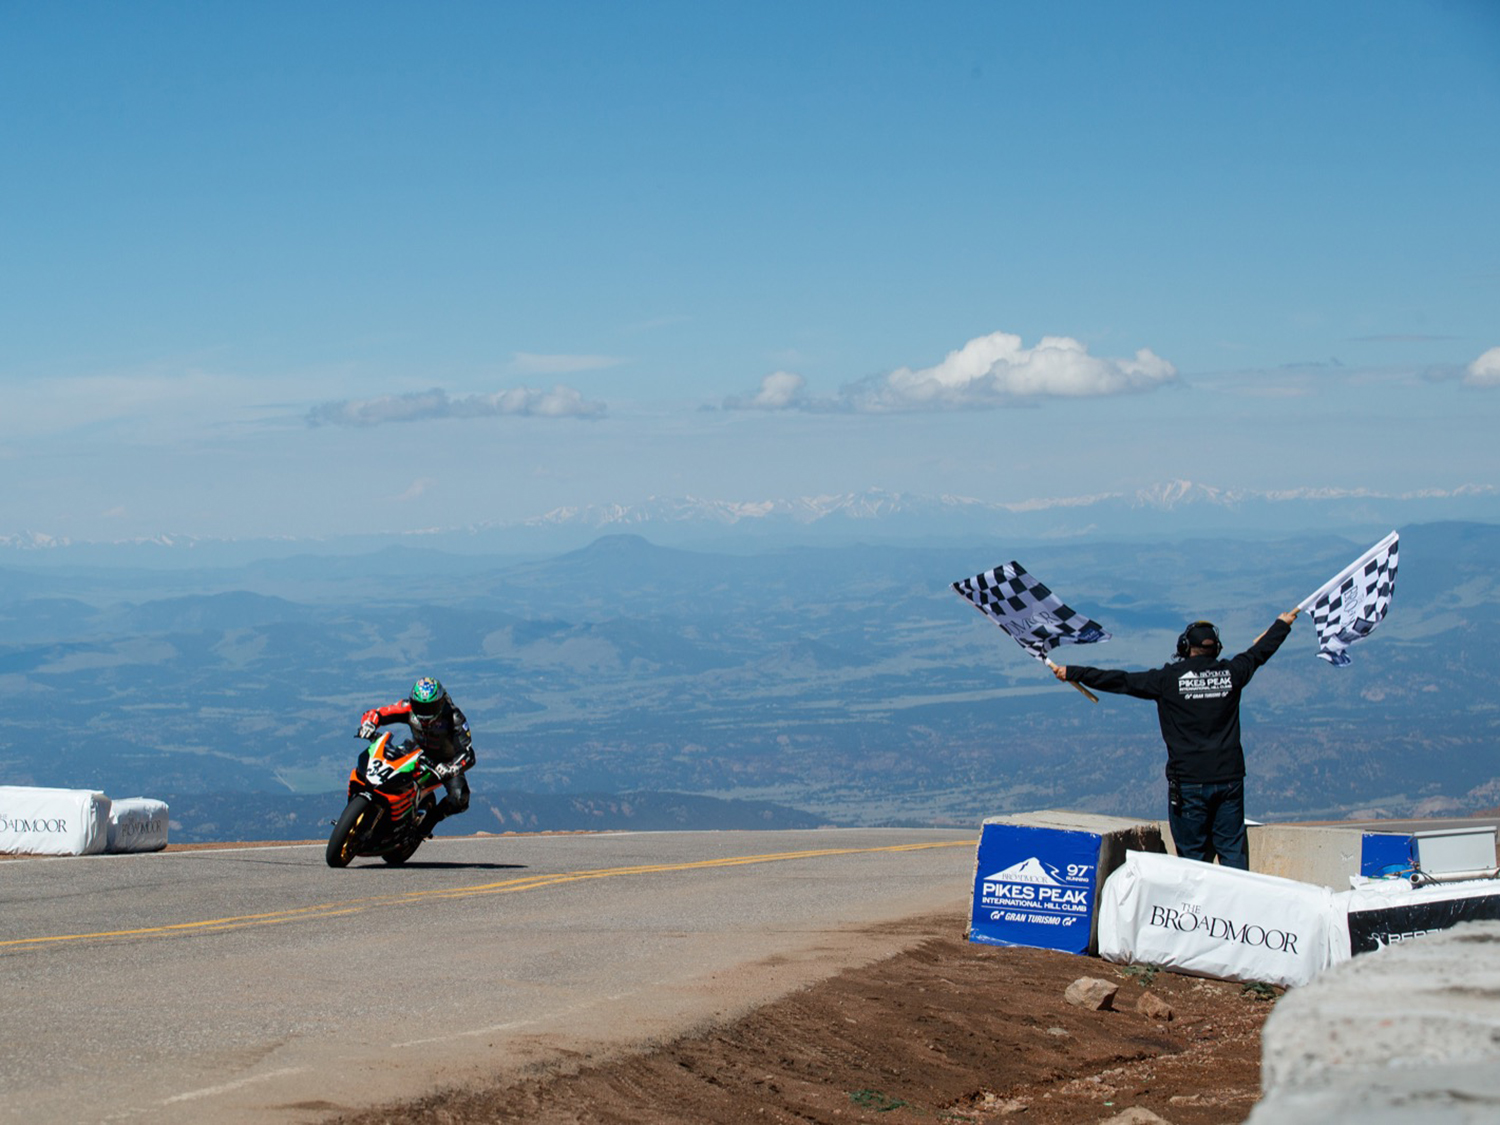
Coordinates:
[367,729]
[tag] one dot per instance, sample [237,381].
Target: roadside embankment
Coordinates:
[945,1031]
[1410,1032]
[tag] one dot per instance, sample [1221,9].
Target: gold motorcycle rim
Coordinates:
[346,849]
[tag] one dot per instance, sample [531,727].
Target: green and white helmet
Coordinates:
[427,697]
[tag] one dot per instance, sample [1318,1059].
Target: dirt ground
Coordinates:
[949,1031]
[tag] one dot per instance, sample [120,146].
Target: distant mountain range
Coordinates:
[630,683]
[1188,504]
[1172,509]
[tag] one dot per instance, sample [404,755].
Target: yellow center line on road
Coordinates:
[507,886]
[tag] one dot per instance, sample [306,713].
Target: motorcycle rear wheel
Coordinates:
[403,853]
[342,844]
[400,855]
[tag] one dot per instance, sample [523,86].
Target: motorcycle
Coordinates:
[390,802]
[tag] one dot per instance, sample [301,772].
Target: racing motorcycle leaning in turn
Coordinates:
[391,802]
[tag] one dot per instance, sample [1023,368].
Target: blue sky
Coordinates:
[319,268]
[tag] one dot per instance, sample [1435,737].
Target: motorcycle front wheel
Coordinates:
[345,838]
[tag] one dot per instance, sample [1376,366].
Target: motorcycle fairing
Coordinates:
[388,772]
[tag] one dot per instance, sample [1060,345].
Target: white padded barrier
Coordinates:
[137,824]
[1218,922]
[53,821]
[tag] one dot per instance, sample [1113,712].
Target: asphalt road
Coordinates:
[259,985]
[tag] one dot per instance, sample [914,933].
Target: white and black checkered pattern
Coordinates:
[1028,611]
[1352,604]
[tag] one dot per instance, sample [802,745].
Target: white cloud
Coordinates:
[781,390]
[559,402]
[1484,371]
[997,369]
[150,401]
[531,363]
[989,371]
[417,488]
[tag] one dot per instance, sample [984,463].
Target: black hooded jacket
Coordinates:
[1197,704]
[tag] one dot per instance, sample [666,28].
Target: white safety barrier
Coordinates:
[1213,921]
[137,824]
[53,821]
[1384,912]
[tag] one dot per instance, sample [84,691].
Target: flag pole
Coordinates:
[1076,684]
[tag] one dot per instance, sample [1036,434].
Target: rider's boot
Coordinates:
[435,816]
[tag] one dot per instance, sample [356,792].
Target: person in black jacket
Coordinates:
[1198,705]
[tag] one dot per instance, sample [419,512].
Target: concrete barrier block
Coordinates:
[1325,856]
[1038,875]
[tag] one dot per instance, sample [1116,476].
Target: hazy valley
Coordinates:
[832,684]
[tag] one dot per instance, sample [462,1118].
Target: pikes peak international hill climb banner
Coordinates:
[1034,887]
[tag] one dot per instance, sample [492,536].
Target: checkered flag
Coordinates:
[1352,604]
[1028,611]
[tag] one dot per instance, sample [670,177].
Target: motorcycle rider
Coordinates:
[440,731]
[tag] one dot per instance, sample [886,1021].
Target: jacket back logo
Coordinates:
[1213,683]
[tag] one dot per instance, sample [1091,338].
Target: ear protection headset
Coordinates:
[1185,642]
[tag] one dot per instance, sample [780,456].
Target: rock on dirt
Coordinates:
[1092,993]
[949,1031]
[1150,1004]
[1136,1116]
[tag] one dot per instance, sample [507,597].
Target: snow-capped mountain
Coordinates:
[870,505]
[1175,507]
[32,541]
[1172,510]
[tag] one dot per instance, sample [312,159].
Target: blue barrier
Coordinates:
[1035,887]
[1385,853]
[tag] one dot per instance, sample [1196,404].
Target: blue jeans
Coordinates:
[1208,821]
